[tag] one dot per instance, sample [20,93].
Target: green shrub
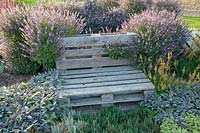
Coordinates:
[109,120]
[192,123]
[170,126]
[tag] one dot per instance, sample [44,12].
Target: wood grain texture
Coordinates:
[90,62]
[99,40]
[106,90]
[104,79]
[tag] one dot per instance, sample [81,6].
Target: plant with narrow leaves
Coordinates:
[169,5]
[99,18]
[43,32]
[158,33]
[133,7]
[67,125]
[11,23]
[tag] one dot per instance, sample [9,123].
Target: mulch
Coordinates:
[8,79]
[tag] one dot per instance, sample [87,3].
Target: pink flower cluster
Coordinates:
[158,31]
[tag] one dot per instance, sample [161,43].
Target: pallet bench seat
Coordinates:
[89,77]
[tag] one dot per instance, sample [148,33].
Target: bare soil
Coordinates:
[8,79]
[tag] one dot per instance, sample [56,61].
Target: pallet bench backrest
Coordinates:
[88,51]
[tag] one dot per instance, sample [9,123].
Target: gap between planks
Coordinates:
[96,70]
[106,83]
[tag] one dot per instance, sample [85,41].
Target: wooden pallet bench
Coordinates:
[91,78]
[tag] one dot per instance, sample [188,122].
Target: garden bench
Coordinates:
[90,77]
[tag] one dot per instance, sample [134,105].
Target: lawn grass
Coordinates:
[193,22]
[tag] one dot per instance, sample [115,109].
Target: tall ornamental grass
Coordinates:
[31,36]
[158,34]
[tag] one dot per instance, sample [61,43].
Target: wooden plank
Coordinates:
[90,62]
[106,83]
[100,74]
[84,52]
[146,93]
[97,101]
[104,78]
[101,39]
[106,90]
[96,70]
[107,98]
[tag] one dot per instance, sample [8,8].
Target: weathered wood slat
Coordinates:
[84,52]
[96,70]
[90,77]
[90,62]
[96,101]
[97,40]
[100,74]
[106,90]
[106,83]
[104,78]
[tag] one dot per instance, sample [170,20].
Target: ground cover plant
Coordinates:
[191,124]
[176,103]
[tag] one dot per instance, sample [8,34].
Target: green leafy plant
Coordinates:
[176,103]
[170,126]
[46,79]
[24,107]
[192,123]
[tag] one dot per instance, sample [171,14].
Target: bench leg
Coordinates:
[146,93]
[107,98]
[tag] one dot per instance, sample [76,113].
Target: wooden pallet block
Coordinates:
[104,86]
[91,78]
